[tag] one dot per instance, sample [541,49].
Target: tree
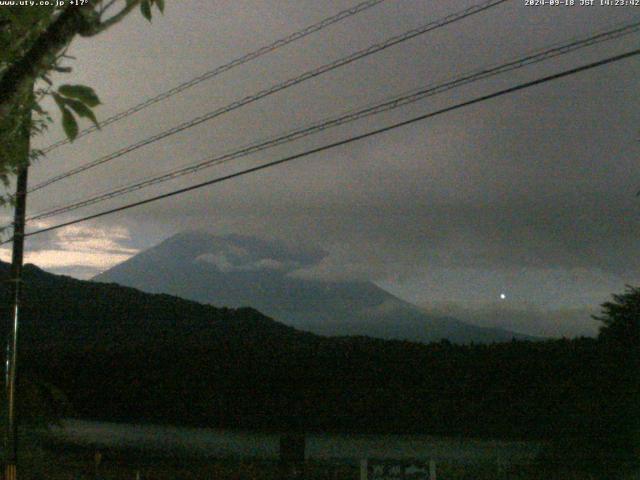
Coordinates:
[42,404]
[33,43]
[621,319]
[619,340]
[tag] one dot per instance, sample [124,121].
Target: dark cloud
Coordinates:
[541,180]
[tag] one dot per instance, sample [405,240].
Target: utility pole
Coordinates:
[15,289]
[11,431]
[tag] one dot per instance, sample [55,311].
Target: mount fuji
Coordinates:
[239,271]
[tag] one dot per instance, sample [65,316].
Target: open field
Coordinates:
[79,465]
[166,452]
[343,448]
[163,453]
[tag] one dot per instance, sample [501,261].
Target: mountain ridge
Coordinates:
[240,271]
[81,314]
[120,354]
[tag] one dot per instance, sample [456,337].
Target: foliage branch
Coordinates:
[33,45]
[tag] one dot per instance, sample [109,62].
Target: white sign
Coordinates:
[390,469]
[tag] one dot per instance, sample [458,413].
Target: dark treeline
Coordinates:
[515,389]
[120,354]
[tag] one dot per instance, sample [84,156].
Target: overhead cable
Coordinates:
[454,17]
[347,141]
[398,101]
[361,7]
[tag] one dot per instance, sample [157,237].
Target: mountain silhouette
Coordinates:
[119,354]
[268,275]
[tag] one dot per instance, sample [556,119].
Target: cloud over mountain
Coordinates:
[300,286]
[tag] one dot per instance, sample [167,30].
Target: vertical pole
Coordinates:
[11,430]
[15,290]
[364,469]
[97,459]
[432,470]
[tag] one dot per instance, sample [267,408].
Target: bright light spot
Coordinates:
[502,296]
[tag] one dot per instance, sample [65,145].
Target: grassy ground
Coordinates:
[56,461]
[38,463]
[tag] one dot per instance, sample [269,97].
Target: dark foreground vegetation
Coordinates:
[62,465]
[120,354]
[81,466]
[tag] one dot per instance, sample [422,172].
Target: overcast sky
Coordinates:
[531,194]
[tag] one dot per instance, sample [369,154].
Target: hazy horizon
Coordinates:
[518,316]
[527,201]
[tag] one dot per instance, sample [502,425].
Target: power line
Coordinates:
[399,101]
[223,68]
[467,103]
[277,88]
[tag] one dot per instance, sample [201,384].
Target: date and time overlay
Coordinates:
[582,3]
[527,3]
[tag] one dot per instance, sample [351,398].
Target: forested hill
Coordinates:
[120,354]
[62,312]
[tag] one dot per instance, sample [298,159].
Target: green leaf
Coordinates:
[29,17]
[82,110]
[59,100]
[145,8]
[38,109]
[83,93]
[69,124]
[160,4]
